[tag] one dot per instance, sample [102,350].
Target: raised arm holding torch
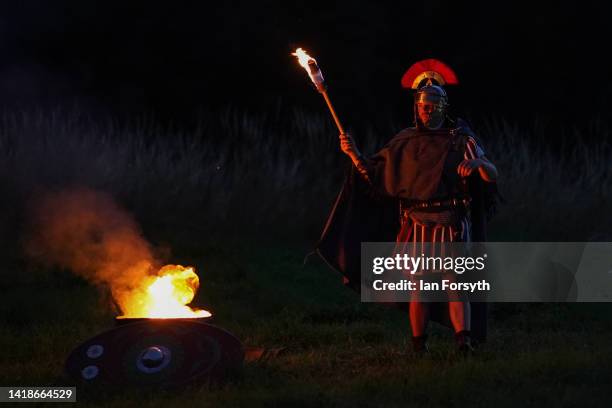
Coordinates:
[347,143]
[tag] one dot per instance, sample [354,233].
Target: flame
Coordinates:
[303,58]
[311,67]
[165,295]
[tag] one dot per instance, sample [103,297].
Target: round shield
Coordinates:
[156,352]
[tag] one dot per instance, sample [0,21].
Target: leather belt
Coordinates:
[454,202]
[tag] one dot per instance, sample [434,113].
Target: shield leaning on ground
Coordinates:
[165,352]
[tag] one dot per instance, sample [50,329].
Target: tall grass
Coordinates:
[253,176]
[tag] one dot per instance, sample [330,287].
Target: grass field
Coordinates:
[245,207]
[339,352]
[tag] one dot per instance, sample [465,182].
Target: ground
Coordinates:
[339,352]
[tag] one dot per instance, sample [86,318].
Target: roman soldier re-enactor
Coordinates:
[437,177]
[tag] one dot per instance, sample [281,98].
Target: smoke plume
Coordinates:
[87,232]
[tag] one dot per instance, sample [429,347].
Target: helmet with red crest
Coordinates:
[430,99]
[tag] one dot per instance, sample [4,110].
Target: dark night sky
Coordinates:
[174,58]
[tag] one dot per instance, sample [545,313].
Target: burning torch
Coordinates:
[316,76]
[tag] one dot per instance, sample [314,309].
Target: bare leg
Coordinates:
[419,317]
[459,315]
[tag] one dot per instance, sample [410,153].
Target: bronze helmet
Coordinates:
[433,94]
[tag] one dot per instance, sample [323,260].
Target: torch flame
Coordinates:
[311,66]
[165,295]
[316,76]
[303,58]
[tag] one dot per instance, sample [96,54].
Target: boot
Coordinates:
[419,344]
[464,342]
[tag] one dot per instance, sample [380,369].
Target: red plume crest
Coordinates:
[429,68]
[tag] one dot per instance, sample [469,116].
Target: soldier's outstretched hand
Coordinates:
[347,145]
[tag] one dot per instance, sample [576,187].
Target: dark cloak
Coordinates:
[370,213]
